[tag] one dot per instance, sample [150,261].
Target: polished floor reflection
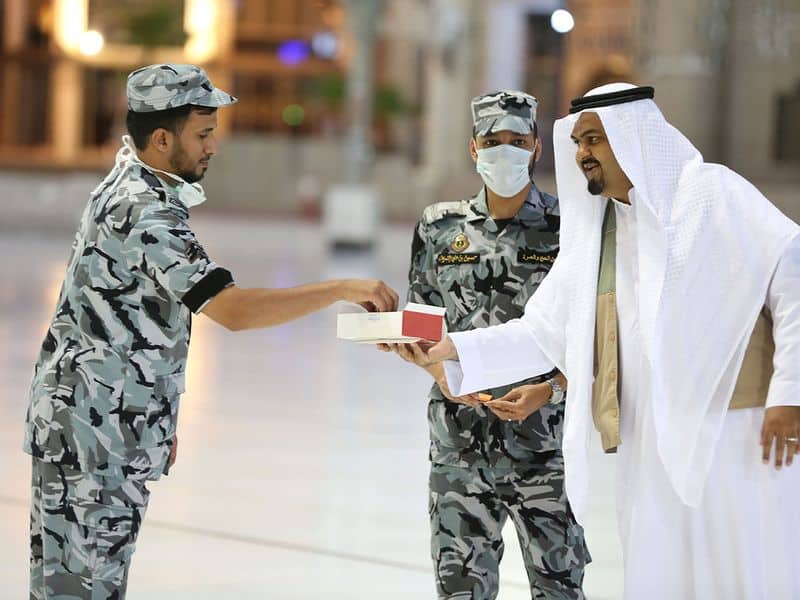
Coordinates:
[302,468]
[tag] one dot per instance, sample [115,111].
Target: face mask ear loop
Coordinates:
[125,158]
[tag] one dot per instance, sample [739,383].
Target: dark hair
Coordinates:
[141,124]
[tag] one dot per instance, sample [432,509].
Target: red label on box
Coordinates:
[422,325]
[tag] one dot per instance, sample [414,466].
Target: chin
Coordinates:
[595,187]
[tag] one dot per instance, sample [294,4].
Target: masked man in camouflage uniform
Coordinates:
[482,259]
[107,382]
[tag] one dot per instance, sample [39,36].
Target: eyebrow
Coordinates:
[585,133]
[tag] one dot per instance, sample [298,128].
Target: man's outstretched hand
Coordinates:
[425,353]
[372,294]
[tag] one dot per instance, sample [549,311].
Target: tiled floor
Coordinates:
[303,460]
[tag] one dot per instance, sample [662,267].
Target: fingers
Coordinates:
[508,411]
[791,450]
[384,297]
[469,400]
[368,306]
[501,404]
[784,449]
[374,295]
[779,434]
[780,448]
[766,446]
[173,453]
[511,396]
[418,354]
[404,350]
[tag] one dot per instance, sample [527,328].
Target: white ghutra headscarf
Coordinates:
[708,245]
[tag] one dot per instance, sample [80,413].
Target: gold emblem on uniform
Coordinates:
[460,243]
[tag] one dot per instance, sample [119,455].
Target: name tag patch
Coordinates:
[528,256]
[457,259]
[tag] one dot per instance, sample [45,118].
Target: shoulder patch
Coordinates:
[440,210]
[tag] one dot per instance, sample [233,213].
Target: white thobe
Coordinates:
[741,542]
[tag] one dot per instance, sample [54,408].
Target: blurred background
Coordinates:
[302,469]
[377,91]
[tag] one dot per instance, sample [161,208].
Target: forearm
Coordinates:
[495,356]
[238,308]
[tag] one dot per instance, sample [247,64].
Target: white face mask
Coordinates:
[504,169]
[191,194]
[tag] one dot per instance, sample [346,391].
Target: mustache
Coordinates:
[587,162]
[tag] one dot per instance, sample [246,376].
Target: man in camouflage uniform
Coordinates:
[482,259]
[107,382]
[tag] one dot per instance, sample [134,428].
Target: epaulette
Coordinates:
[440,210]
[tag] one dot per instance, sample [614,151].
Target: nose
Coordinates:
[211,146]
[582,152]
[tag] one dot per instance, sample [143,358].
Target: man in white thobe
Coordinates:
[690,337]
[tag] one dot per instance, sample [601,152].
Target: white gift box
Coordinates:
[414,323]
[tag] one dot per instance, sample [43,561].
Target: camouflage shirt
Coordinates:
[483,272]
[108,379]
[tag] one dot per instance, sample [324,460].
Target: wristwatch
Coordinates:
[557,397]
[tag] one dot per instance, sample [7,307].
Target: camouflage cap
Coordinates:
[503,110]
[159,87]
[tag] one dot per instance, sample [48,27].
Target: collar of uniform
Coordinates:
[531,209]
[157,183]
[478,207]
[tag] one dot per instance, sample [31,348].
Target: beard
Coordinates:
[181,165]
[596,186]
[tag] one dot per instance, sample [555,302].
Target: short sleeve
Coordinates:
[163,247]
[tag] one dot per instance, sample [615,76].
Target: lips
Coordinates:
[589,166]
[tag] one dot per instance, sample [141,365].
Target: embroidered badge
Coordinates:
[457,259]
[459,243]
[528,256]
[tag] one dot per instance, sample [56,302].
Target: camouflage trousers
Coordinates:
[83,533]
[468,508]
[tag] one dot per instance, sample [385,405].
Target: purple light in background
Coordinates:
[293,52]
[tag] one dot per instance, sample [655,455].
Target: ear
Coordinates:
[473,150]
[161,139]
[537,151]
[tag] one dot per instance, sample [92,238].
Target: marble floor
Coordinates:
[302,468]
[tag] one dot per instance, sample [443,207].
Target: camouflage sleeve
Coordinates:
[166,249]
[422,285]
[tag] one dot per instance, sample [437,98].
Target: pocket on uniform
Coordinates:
[96,540]
[162,410]
[451,424]
[114,529]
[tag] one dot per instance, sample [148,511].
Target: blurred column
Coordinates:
[15,14]
[66,109]
[362,19]
[679,43]
[352,212]
[453,63]
[758,66]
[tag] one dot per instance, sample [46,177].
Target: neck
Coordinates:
[622,196]
[157,161]
[506,208]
